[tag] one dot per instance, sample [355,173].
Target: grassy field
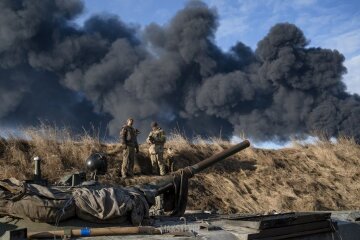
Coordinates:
[305,177]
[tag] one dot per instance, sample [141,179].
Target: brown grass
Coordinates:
[62,152]
[305,177]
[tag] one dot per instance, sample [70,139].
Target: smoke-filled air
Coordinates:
[106,70]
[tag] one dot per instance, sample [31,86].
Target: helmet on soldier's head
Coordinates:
[154,124]
[97,163]
[130,121]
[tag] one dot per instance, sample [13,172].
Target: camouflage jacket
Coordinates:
[156,139]
[128,136]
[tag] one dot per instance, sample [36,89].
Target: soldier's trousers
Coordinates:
[127,168]
[158,160]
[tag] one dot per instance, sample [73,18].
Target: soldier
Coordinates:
[128,136]
[156,140]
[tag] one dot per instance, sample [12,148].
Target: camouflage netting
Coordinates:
[53,204]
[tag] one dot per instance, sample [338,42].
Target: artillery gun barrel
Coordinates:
[196,168]
[166,182]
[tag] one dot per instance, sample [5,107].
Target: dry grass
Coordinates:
[320,176]
[306,177]
[62,152]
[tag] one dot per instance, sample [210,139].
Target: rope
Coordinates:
[180,183]
[62,212]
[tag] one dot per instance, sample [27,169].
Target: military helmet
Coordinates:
[154,124]
[97,163]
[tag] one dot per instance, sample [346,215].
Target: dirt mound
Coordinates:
[320,176]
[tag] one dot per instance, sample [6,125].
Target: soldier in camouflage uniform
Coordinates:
[128,136]
[156,140]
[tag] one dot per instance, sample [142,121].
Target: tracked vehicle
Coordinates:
[77,208]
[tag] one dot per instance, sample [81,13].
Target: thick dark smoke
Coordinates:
[105,71]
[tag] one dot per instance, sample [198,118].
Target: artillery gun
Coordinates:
[44,203]
[174,187]
[102,203]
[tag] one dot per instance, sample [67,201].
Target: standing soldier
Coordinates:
[130,145]
[156,140]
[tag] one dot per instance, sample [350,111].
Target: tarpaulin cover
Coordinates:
[90,203]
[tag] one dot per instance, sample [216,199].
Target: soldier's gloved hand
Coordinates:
[137,149]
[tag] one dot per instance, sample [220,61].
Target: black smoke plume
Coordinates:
[106,70]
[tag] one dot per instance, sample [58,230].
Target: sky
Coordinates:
[326,23]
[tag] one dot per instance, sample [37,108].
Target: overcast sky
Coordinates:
[326,23]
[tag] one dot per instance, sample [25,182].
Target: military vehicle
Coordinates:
[77,208]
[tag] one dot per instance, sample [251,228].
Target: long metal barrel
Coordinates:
[219,156]
[166,182]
